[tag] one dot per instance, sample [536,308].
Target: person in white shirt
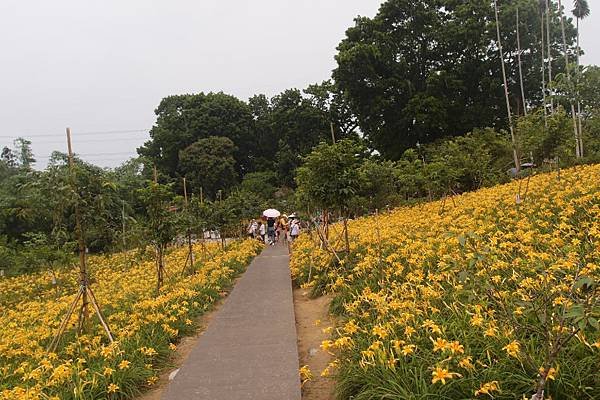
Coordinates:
[294,230]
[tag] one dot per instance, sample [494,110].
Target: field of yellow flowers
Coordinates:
[146,326]
[485,295]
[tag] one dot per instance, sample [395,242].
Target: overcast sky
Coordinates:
[103,66]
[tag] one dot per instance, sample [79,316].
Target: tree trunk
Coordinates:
[159,269]
[520,66]
[510,124]
[346,236]
[568,73]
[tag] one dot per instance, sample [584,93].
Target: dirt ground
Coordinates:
[312,316]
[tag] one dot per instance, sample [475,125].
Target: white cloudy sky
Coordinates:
[103,66]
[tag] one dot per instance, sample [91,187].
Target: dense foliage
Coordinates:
[422,70]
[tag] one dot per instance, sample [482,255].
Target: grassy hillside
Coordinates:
[477,296]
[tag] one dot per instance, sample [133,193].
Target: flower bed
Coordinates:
[147,327]
[478,296]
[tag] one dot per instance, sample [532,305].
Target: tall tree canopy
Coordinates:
[421,70]
[209,164]
[184,119]
[267,134]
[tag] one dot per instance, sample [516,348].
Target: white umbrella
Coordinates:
[271,213]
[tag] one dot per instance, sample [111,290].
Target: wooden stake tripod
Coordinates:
[85,293]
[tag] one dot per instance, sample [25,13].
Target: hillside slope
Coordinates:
[475,296]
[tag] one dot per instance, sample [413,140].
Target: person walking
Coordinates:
[294,229]
[252,227]
[271,231]
[282,228]
[262,231]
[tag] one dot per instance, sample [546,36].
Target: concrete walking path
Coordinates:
[249,350]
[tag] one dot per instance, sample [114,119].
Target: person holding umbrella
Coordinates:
[271,215]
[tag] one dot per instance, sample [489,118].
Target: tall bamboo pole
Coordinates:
[83,278]
[544,73]
[578,76]
[510,123]
[85,291]
[189,233]
[520,67]
[568,73]
[549,43]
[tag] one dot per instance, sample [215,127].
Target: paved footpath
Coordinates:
[249,350]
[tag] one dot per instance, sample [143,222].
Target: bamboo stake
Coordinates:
[85,290]
[99,314]
[568,73]
[332,133]
[520,67]
[544,74]
[190,255]
[548,43]
[83,312]
[54,344]
[510,122]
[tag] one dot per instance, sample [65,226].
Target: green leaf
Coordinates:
[575,311]
[583,283]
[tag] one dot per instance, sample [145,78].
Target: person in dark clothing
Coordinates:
[271,230]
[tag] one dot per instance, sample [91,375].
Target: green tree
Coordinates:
[160,223]
[330,178]
[263,184]
[184,119]
[209,164]
[547,141]
[298,125]
[24,154]
[332,102]
[421,70]
[379,185]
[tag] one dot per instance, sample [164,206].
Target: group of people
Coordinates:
[284,229]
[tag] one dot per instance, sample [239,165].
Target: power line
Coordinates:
[75,133]
[76,140]
[97,154]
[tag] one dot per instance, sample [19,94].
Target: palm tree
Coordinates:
[581,10]
[568,74]
[510,124]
